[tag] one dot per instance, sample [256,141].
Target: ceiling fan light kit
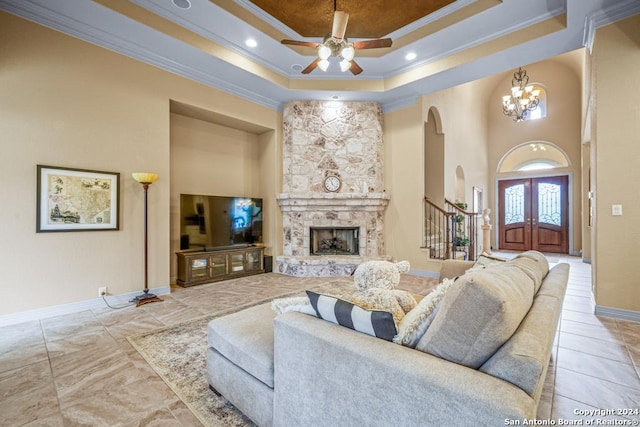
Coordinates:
[337,45]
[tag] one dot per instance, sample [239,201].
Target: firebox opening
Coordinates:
[334,240]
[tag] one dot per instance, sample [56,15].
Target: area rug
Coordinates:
[178,355]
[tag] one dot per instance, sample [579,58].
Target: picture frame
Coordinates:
[70,199]
[477,200]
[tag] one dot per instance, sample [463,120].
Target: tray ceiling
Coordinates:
[454,42]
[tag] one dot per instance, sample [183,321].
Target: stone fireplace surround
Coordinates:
[329,138]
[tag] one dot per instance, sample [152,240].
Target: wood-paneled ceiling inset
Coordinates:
[367,18]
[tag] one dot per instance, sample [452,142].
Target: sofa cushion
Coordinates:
[246,339]
[413,326]
[534,264]
[372,322]
[523,359]
[478,314]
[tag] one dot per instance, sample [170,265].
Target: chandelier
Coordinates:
[523,98]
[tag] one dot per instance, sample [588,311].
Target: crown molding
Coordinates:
[589,33]
[200,30]
[605,16]
[479,41]
[400,103]
[51,19]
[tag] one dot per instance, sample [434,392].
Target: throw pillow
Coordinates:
[372,322]
[479,314]
[301,304]
[485,260]
[413,326]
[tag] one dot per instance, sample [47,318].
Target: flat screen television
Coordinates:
[219,222]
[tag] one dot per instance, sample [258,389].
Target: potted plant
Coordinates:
[460,240]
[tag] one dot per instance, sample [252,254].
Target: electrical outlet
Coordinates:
[102,291]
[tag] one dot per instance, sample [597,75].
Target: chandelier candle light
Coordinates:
[523,98]
[146,179]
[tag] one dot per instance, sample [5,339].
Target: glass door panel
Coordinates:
[199,268]
[254,260]
[237,263]
[218,265]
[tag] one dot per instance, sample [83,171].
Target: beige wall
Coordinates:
[464,126]
[465,144]
[615,159]
[562,127]
[69,103]
[403,181]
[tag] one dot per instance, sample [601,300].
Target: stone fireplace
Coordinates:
[341,139]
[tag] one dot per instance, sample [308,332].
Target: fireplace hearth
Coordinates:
[334,240]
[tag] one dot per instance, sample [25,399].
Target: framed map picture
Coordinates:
[77,200]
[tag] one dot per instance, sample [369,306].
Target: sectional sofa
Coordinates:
[482,361]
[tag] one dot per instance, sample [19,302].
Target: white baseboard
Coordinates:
[424,273]
[74,307]
[618,313]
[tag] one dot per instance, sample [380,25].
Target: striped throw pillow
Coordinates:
[372,322]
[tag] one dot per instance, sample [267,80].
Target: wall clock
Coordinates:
[332,183]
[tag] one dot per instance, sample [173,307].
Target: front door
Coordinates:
[534,214]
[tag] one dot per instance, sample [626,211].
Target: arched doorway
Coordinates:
[533,211]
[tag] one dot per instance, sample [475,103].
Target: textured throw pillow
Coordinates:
[413,326]
[485,260]
[371,322]
[300,304]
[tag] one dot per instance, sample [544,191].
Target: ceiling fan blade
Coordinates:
[299,43]
[311,66]
[355,68]
[372,44]
[340,20]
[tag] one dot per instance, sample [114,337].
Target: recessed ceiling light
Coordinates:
[410,56]
[251,42]
[182,4]
[297,67]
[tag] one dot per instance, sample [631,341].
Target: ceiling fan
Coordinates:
[336,44]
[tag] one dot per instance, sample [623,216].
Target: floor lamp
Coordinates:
[146,179]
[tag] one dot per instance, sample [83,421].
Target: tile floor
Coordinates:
[79,369]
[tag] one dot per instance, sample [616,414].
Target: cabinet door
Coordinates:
[217,265]
[254,260]
[198,268]
[236,263]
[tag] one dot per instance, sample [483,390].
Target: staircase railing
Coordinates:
[451,232]
[438,230]
[465,230]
